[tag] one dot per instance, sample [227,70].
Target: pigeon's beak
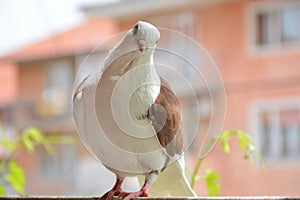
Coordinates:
[142,45]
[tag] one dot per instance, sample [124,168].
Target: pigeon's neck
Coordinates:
[144,84]
[143,59]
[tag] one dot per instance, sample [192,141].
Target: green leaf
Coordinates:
[32,137]
[16,177]
[249,153]
[224,139]
[28,144]
[2,190]
[244,140]
[245,143]
[8,145]
[212,182]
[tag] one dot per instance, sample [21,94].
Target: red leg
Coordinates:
[116,190]
[142,193]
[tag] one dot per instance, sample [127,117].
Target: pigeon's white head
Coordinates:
[144,36]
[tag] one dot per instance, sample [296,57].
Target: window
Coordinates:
[55,98]
[291,24]
[277,127]
[275,23]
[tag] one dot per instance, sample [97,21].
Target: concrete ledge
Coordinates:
[154,198]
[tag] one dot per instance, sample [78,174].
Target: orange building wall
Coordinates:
[31,80]
[248,77]
[9,82]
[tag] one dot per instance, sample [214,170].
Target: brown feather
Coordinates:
[165,115]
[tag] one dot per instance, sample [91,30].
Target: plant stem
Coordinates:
[195,172]
[208,147]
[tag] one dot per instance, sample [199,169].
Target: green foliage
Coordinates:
[212,182]
[246,144]
[29,140]
[211,178]
[224,139]
[2,190]
[16,177]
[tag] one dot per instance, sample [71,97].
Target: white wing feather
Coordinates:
[171,182]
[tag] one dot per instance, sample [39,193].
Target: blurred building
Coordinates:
[255,44]
[37,83]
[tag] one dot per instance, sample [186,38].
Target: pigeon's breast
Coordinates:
[110,131]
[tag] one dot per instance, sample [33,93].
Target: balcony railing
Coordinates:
[157,198]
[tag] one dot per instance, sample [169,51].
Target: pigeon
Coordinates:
[130,119]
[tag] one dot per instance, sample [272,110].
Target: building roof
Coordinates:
[76,40]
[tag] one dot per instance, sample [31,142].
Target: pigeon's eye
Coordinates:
[135,29]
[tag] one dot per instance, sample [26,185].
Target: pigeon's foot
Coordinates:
[142,193]
[109,195]
[115,191]
[118,193]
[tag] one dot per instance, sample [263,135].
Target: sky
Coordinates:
[24,22]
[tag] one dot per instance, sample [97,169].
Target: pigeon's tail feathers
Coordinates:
[172,182]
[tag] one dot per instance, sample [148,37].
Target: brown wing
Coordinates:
[165,115]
